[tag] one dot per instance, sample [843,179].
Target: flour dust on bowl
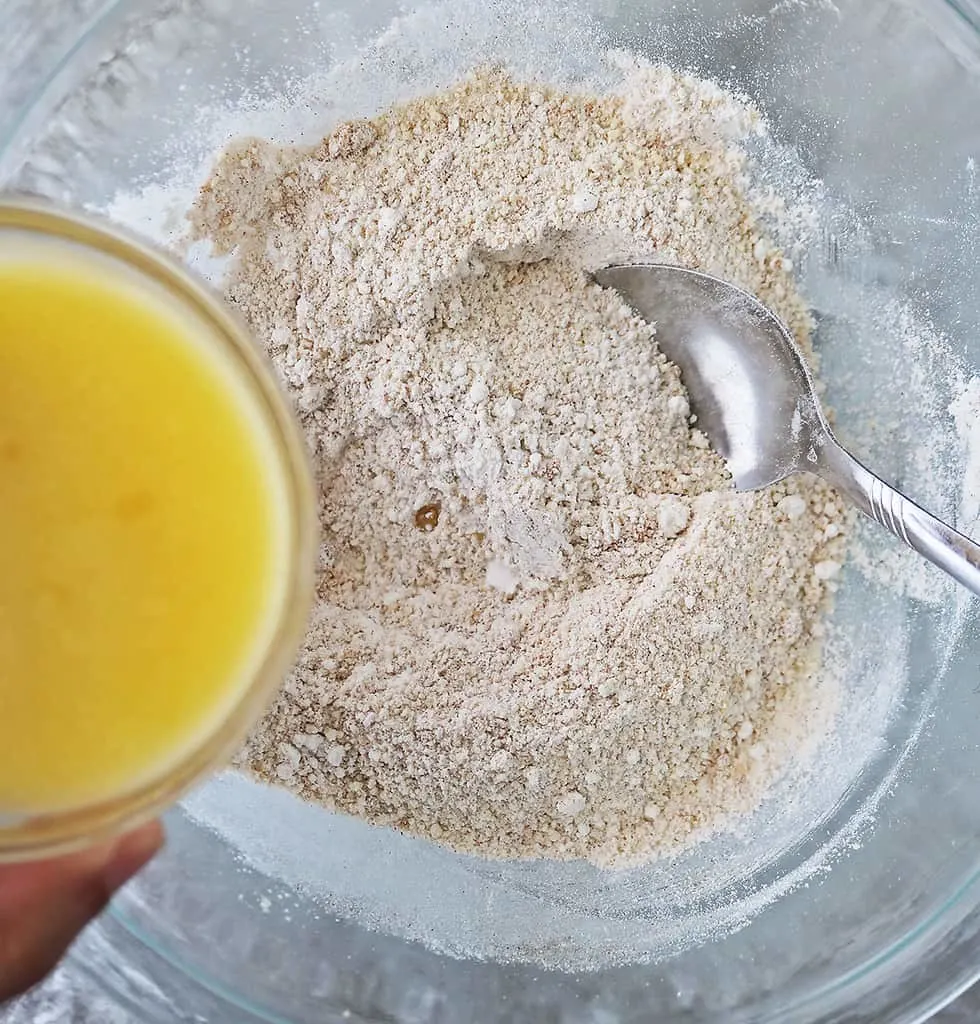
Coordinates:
[847,891]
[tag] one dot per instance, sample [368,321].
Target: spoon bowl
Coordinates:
[754,398]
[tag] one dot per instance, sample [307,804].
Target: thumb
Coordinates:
[44,905]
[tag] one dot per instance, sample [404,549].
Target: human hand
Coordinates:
[45,904]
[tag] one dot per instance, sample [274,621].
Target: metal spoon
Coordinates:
[754,399]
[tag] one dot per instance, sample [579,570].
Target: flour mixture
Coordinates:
[547,625]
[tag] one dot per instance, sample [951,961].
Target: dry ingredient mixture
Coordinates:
[546,624]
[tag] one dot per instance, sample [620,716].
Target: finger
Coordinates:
[133,852]
[43,906]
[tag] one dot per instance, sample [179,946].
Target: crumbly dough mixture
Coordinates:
[546,624]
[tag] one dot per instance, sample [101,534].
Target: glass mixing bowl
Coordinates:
[851,895]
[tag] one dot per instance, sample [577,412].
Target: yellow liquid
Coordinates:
[141,530]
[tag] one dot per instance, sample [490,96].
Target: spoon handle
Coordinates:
[910,523]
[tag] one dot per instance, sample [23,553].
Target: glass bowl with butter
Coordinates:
[156,530]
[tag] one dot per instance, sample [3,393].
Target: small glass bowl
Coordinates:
[23,838]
